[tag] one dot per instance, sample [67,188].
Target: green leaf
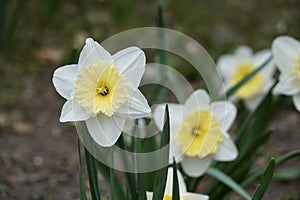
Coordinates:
[140,176]
[236,87]
[229,182]
[251,147]
[161,57]
[129,176]
[149,145]
[81,182]
[262,187]
[237,169]
[111,178]
[175,190]
[280,159]
[249,139]
[286,174]
[161,176]
[266,101]
[112,182]
[93,175]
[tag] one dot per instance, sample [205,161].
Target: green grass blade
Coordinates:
[217,174]
[81,182]
[262,187]
[280,159]
[236,87]
[161,176]
[93,175]
[175,190]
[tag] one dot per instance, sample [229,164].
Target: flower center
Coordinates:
[200,134]
[252,87]
[100,88]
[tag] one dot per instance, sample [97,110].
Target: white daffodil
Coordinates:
[286,53]
[102,90]
[237,66]
[199,132]
[184,195]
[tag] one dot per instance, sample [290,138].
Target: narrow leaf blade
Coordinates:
[93,175]
[175,191]
[229,182]
[161,175]
[262,187]
[81,182]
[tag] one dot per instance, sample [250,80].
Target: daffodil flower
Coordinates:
[199,132]
[102,90]
[286,53]
[184,195]
[237,66]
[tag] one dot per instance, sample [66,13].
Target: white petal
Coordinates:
[285,50]
[253,102]
[194,196]
[73,111]
[131,63]
[92,53]
[194,166]
[287,85]
[105,130]
[169,185]
[175,150]
[63,80]
[136,106]
[267,84]
[226,113]
[269,70]
[261,56]
[149,195]
[198,100]
[227,65]
[227,150]
[175,114]
[296,100]
[243,54]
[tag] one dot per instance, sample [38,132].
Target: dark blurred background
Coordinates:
[38,155]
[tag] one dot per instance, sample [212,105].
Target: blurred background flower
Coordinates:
[237,66]
[286,51]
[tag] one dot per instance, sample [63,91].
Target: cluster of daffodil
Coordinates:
[286,57]
[102,90]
